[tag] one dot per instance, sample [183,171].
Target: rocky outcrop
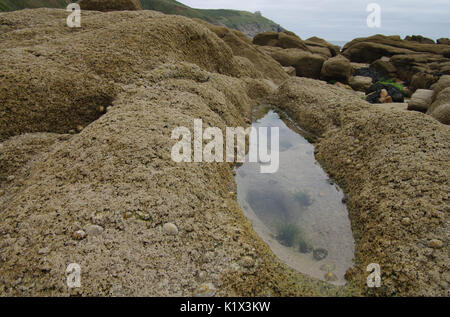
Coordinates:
[385,67]
[307,57]
[365,50]
[337,68]
[280,39]
[382,158]
[415,61]
[440,108]
[421,100]
[115,174]
[110,5]
[323,51]
[422,80]
[368,52]
[421,70]
[444,82]
[318,42]
[108,196]
[320,46]
[360,83]
[444,41]
[242,46]
[306,64]
[420,39]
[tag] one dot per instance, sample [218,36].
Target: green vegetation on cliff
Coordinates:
[247,22]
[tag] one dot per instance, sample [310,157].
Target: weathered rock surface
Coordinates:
[369,49]
[117,172]
[248,54]
[306,64]
[280,39]
[108,5]
[444,41]
[420,39]
[444,82]
[399,169]
[385,67]
[360,83]
[336,68]
[421,100]
[323,51]
[440,108]
[167,71]
[318,42]
[411,61]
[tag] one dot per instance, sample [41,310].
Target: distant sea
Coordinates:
[339,43]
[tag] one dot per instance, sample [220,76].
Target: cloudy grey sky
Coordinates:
[346,19]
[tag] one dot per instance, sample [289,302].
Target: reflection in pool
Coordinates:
[297,211]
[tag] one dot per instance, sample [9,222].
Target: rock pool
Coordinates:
[298,211]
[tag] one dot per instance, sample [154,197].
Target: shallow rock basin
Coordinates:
[298,211]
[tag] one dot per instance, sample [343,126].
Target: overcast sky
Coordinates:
[345,19]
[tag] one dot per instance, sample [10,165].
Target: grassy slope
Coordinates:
[231,18]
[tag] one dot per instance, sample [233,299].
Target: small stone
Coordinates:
[320,254]
[248,262]
[205,290]
[436,244]
[170,229]
[72,131]
[94,230]
[1,147]
[11,178]
[44,250]
[349,161]
[406,221]
[79,235]
[330,277]
[101,109]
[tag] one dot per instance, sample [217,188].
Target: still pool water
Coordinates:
[297,211]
